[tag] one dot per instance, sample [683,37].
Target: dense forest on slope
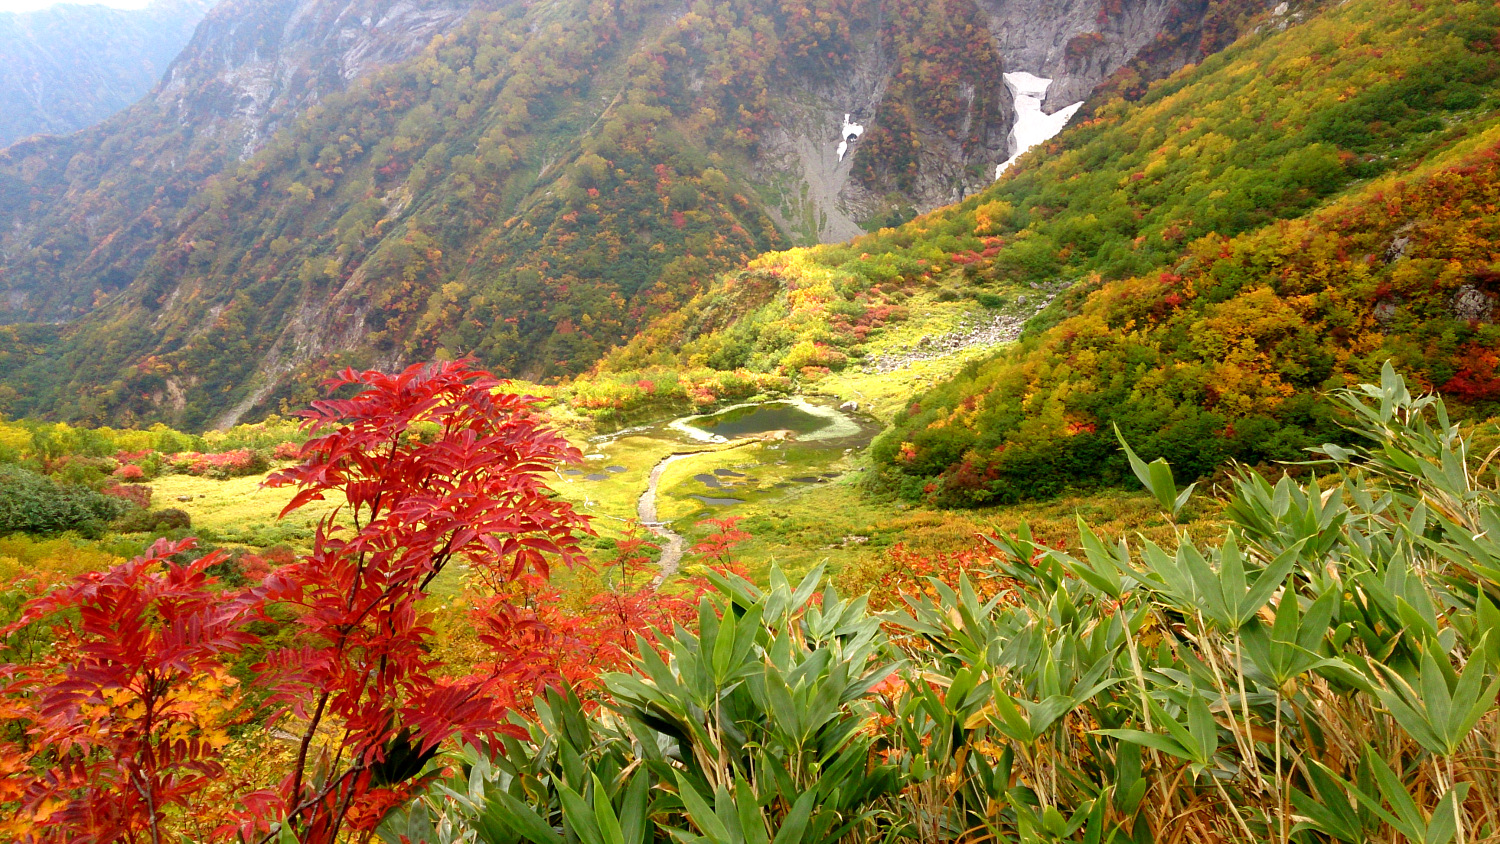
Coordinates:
[1202,346]
[80,214]
[534,188]
[1228,354]
[69,66]
[1225,351]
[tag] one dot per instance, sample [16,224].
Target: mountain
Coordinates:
[532,187]
[70,66]
[80,212]
[1268,225]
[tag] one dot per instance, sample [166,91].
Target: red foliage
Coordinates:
[226,464]
[130,472]
[122,720]
[1477,380]
[468,487]
[538,642]
[717,548]
[138,494]
[116,730]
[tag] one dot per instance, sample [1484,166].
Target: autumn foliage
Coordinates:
[433,466]
[121,722]
[115,730]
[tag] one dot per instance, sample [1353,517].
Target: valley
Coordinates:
[761,422]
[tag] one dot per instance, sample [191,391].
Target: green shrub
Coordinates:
[32,503]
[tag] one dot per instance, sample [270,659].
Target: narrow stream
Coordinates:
[795,419]
[645,512]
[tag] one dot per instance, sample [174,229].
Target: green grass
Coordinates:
[882,395]
[238,511]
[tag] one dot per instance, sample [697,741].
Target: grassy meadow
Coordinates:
[801,504]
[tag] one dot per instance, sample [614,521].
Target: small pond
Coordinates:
[806,422]
[717,502]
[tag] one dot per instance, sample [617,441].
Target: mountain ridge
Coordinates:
[78,213]
[586,205]
[69,66]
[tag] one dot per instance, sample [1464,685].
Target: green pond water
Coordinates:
[760,418]
[806,421]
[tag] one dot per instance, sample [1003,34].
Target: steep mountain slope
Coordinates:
[78,214]
[70,66]
[540,183]
[1199,344]
[1223,348]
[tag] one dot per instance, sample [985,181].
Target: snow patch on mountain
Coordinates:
[1032,125]
[849,135]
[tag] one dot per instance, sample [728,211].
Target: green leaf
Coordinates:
[1331,812]
[794,825]
[578,816]
[1201,724]
[634,828]
[1266,584]
[1156,741]
[1156,478]
[610,831]
[504,813]
[699,812]
[723,646]
[752,822]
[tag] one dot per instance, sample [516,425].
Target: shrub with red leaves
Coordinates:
[122,720]
[137,494]
[117,728]
[718,547]
[130,473]
[235,463]
[363,689]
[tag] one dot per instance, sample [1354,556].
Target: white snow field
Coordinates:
[1032,126]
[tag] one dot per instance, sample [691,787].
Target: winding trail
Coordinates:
[675,545]
[645,512]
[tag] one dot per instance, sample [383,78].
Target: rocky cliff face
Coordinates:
[256,64]
[1076,43]
[919,157]
[70,66]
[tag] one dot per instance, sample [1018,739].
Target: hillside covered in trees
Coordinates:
[1270,224]
[69,66]
[884,595]
[533,188]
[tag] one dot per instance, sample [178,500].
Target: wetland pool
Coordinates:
[802,420]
